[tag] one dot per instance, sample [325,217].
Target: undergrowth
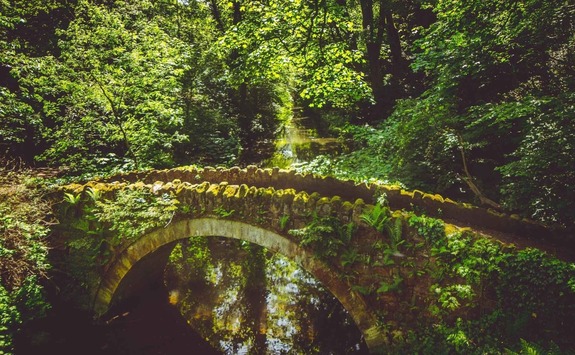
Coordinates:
[24,225]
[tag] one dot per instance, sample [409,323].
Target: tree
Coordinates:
[26,32]
[113,92]
[499,83]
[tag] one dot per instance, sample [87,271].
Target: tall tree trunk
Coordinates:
[398,65]
[379,29]
[244,110]
[216,14]
[373,48]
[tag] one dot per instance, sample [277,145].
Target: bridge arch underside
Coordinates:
[138,265]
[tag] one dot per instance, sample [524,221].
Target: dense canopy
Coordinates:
[471,99]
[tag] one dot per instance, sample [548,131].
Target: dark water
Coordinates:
[219,296]
[145,325]
[244,300]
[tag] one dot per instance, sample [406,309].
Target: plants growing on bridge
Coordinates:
[327,236]
[485,294]
[101,223]
[381,219]
[283,222]
[223,213]
[133,212]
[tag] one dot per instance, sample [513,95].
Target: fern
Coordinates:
[377,218]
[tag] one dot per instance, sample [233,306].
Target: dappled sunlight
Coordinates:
[298,315]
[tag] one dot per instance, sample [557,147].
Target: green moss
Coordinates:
[203,187]
[302,196]
[496,213]
[213,190]
[230,191]
[252,191]
[242,191]
[418,194]
[406,193]
[347,206]
[268,192]
[323,201]
[335,200]
[439,198]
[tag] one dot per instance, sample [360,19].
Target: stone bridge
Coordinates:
[265,207]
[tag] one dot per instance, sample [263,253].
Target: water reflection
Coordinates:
[298,144]
[245,300]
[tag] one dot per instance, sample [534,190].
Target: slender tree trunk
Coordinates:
[244,111]
[398,63]
[380,29]
[373,29]
[216,14]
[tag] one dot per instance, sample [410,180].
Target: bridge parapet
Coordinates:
[262,205]
[432,205]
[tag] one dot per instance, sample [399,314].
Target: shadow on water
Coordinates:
[150,325]
[246,300]
[218,296]
[145,325]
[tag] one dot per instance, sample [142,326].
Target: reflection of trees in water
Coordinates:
[244,299]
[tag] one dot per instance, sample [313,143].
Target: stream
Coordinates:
[245,300]
[299,142]
[219,296]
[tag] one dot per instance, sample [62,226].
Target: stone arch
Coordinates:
[206,227]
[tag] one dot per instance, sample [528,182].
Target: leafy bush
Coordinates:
[23,254]
[539,180]
[486,295]
[327,236]
[363,161]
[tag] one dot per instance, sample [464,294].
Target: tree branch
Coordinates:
[118,120]
[469,179]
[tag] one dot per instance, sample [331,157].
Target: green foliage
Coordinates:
[394,285]
[363,161]
[283,222]
[97,224]
[528,348]
[116,104]
[71,198]
[391,230]
[378,217]
[23,254]
[124,88]
[449,298]
[538,302]
[500,93]
[223,212]
[9,320]
[327,236]
[432,229]
[349,257]
[297,50]
[134,212]
[485,295]
[100,223]
[538,181]
[336,82]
